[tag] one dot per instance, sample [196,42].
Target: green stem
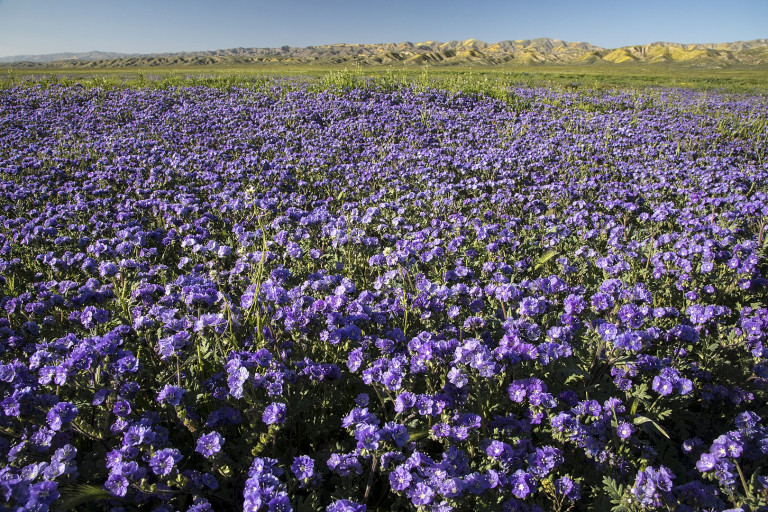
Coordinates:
[743,481]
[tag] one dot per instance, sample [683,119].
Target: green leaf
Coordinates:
[418,435]
[612,488]
[574,377]
[545,258]
[639,420]
[81,494]
[615,492]
[641,392]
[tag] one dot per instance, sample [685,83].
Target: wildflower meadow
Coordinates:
[292,297]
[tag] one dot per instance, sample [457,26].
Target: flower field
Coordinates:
[301,298]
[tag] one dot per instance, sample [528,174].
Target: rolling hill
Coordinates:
[452,53]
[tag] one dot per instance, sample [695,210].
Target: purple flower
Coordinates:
[367,437]
[90,317]
[163,462]
[624,430]
[725,473]
[651,485]
[355,359]
[733,447]
[122,408]
[521,483]
[209,444]
[344,505]
[517,392]
[294,250]
[213,320]
[280,503]
[457,378]
[706,462]
[421,494]
[108,269]
[747,419]
[474,323]
[602,301]
[496,449]
[117,484]
[171,394]
[274,413]
[344,465]
[400,479]
[662,386]
[237,377]
[564,486]
[42,495]
[60,414]
[137,435]
[404,401]
[452,487]
[396,432]
[303,467]
[200,505]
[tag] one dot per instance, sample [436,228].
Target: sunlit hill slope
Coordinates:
[453,53]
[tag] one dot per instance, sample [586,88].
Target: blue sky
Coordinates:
[146,26]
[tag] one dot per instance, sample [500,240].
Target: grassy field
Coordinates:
[469,79]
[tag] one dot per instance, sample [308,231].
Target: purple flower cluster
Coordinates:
[732,453]
[264,487]
[383,297]
[653,487]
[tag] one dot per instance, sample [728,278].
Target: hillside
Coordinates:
[452,53]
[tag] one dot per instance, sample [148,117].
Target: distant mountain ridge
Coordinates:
[468,52]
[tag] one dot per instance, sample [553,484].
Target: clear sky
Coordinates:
[30,27]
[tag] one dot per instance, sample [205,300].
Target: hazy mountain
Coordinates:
[469,52]
[53,57]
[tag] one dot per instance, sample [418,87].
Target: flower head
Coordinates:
[303,467]
[274,413]
[209,444]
